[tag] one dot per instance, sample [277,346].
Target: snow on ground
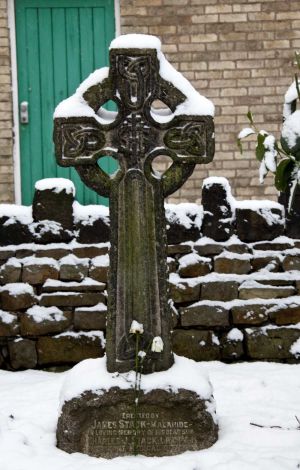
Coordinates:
[267,394]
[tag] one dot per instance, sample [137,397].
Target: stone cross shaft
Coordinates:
[137,286]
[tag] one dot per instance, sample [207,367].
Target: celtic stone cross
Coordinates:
[137,288]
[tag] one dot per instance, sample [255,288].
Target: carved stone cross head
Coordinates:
[135,135]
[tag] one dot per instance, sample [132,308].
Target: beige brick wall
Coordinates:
[6,133]
[238,53]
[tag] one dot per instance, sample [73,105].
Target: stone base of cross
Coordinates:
[135,135]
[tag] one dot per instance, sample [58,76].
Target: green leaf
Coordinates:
[260,149]
[239,144]
[283,173]
[250,117]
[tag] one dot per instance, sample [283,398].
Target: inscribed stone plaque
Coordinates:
[107,425]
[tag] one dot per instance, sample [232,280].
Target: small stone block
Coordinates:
[10,272]
[261,262]
[220,290]
[9,324]
[56,253]
[71,348]
[271,344]
[286,315]
[90,251]
[253,226]
[255,314]
[291,263]
[197,345]
[265,292]
[204,315]
[183,292]
[90,319]
[232,265]
[231,350]
[87,285]
[71,299]
[99,273]
[39,321]
[209,249]
[37,273]
[22,354]
[199,266]
[178,249]
[20,299]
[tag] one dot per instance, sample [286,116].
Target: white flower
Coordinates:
[141,354]
[157,344]
[136,327]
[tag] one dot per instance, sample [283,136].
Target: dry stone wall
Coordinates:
[234,278]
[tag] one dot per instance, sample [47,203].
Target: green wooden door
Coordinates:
[59,43]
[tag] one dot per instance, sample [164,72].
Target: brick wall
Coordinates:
[6,136]
[239,53]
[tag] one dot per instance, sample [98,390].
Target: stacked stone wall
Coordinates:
[234,279]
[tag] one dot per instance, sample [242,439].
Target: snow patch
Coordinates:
[57,185]
[7,317]
[87,215]
[235,335]
[40,314]
[16,213]
[18,288]
[92,375]
[185,214]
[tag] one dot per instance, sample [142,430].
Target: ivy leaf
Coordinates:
[260,148]
[250,117]
[283,174]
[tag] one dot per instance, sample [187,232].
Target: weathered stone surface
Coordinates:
[291,263]
[286,315]
[273,246]
[71,348]
[252,226]
[177,232]
[194,267]
[197,345]
[239,248]
[87,285]
[36,272]
[17,296]
[90,251]
[49,231]
[168,423]
[219,290]
[254,314]
[178,249]
[44,322]
[6,254]
[172,265]
[184,292]
[96,231]
[218,213]
[271,343]
[204,315]
[24,252]
[12,232]
[55,205]
[9,324]
[225,264]
[22,354]
[73,268]
[209,249]
[99,268]
[56,253]
[255,291]
[71,299]
[231,349]
[277,282]
[93,318]
[10,271]
[261,262]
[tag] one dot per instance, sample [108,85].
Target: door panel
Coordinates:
[59,43]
